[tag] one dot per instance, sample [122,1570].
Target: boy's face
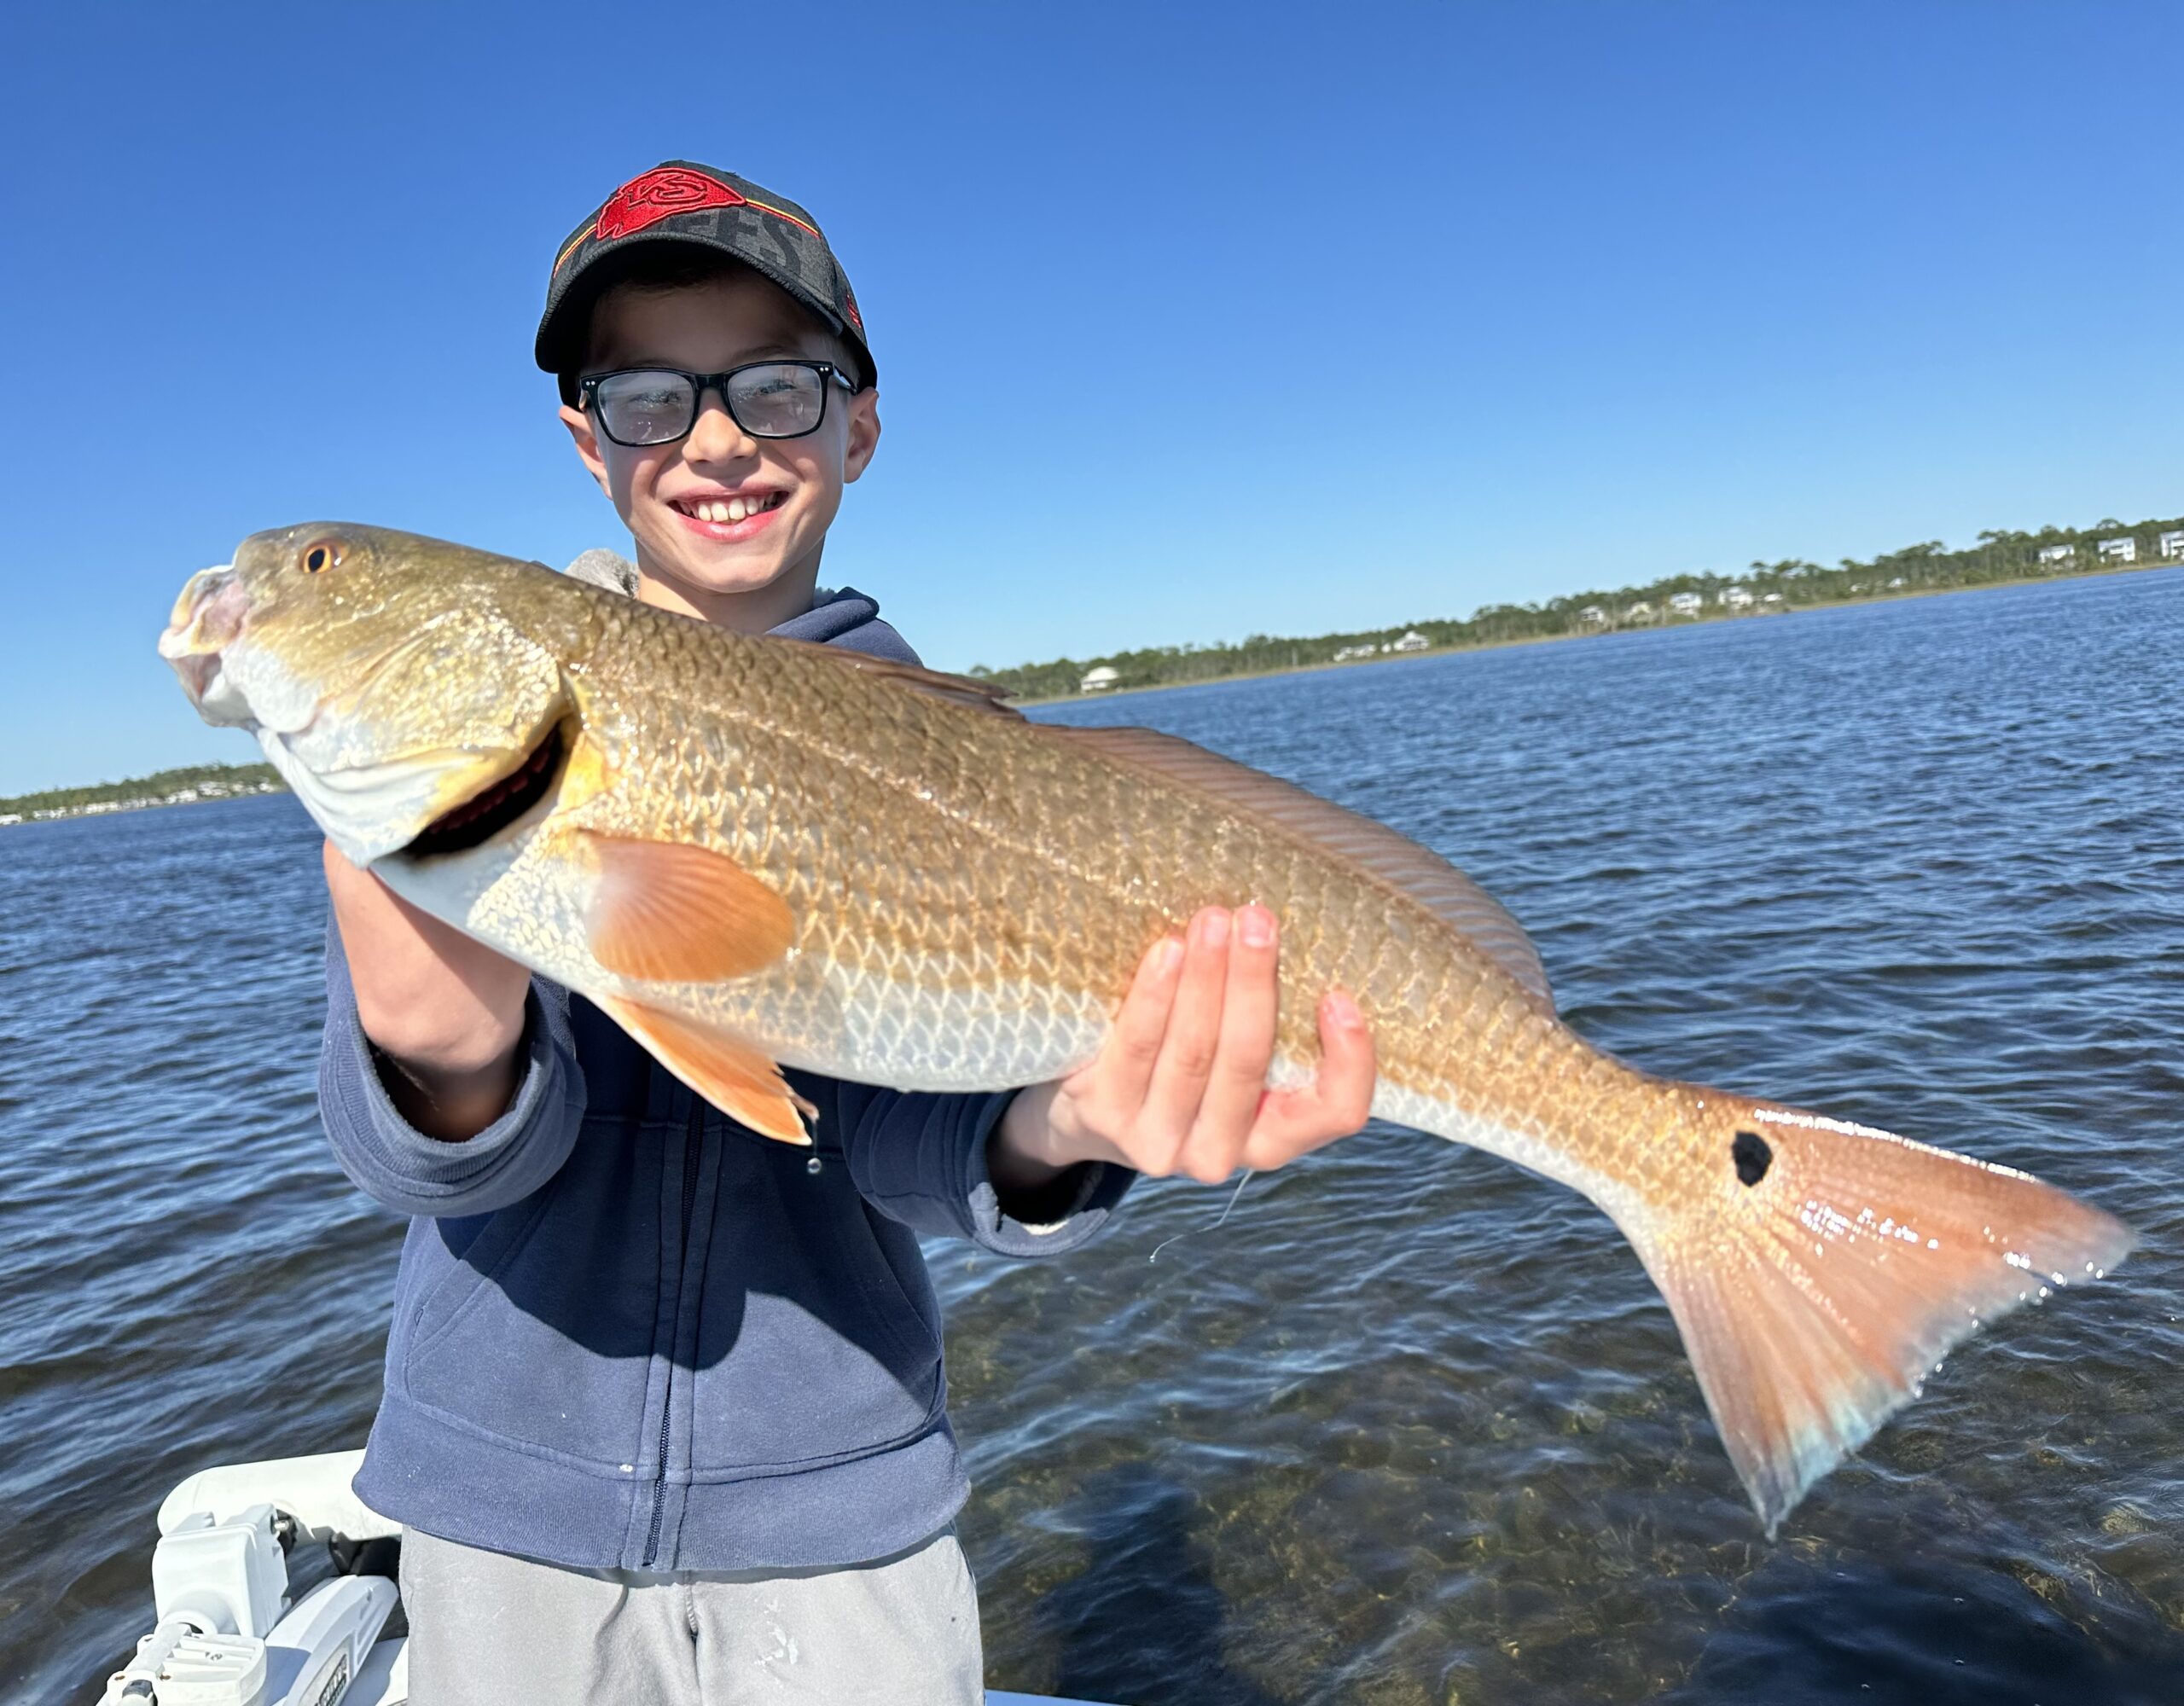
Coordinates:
[755,572]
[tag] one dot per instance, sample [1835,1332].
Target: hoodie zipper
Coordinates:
[690,1142]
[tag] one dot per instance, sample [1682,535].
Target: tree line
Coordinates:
[203,782]
[1929,566]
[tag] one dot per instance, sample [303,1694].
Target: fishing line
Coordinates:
[1216,1227]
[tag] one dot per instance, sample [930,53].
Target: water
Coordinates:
[1412,1427]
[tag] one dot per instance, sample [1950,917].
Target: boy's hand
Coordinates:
[443,1012]
[1180,1086]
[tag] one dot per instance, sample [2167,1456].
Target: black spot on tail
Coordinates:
[1753,1157]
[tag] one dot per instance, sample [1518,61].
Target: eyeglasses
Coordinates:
[643,406]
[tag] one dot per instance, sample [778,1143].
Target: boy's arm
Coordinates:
[445,1012]
[447,1081]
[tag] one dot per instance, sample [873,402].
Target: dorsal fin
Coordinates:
[959,689]
[1395,859]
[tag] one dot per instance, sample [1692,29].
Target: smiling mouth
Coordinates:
[485,814]
[725,512]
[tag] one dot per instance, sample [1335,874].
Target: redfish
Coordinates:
[753,852]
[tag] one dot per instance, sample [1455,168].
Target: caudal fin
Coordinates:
[1820,1285]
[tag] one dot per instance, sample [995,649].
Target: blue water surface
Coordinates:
[1411,1426]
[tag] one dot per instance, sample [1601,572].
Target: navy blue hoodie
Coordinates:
[630,1333]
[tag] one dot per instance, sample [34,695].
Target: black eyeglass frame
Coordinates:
[829,375]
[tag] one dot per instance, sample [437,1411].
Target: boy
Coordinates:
[664,1413]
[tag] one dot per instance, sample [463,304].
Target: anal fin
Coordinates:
[721,1067]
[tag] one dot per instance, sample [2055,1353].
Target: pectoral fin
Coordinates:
[671,913]
[726,1070]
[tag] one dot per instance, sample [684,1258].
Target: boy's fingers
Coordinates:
[1125,1067]
[1187,1052]
[1237,1078]
[1337,1102]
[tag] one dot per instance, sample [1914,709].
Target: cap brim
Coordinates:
[558,347]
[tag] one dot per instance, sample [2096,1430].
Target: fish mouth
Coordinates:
[208,617]
[200,673]
[485,814]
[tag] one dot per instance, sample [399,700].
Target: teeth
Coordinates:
[734,509]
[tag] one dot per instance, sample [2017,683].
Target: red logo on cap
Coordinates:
[849,301]
[666,190]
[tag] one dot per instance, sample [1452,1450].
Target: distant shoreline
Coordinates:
[1707,619]
[200,784]
[194,785]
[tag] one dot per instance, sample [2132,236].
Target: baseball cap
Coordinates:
[680,201]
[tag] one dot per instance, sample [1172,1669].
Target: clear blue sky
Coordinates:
[1485,302]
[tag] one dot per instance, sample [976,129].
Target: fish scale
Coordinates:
[751,851]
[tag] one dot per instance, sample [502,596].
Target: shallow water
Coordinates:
[1412,1426]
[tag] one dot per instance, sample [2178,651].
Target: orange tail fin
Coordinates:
[1848,1262]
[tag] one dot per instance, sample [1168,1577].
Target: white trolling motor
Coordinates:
[227,1634]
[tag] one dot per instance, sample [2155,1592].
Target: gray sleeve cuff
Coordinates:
[1100,1186]
[921,1158]
[394,1162]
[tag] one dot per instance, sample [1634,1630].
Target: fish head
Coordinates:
[382,673]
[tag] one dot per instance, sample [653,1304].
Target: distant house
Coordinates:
[1894,583]
[1771,598]
[1410,641]
[2172,544]
[1593,616]
[1736,598]
[2054,556]
[1638,611]
[2123,550]
[1344,655]
[1685,603]
[1099,680]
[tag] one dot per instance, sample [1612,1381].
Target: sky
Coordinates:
[1193,321]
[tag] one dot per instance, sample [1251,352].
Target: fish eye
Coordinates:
[320,556]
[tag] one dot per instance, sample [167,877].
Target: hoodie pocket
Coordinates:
[811,1347]
[545,1339]
[456,1265]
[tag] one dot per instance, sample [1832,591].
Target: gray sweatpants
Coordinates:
[487,1627]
